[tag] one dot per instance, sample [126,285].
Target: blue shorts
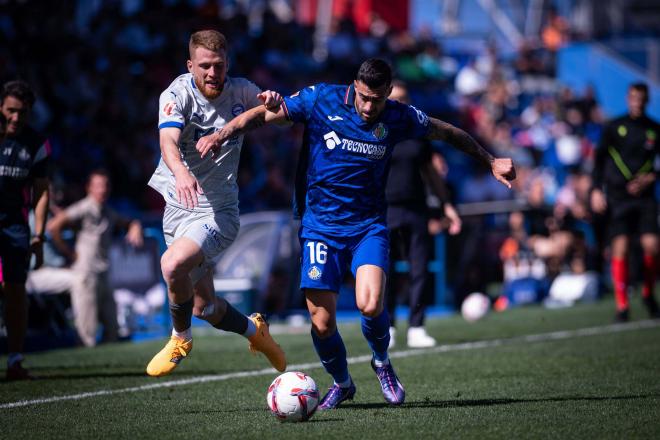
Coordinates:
[323,266]
[14,252]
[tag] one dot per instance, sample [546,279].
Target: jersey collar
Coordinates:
[349,100]
[349,96]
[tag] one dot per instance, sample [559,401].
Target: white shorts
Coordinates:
[212,231]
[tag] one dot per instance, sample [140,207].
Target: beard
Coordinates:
[207,92]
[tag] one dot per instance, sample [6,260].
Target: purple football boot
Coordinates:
[336,395]
[393,391]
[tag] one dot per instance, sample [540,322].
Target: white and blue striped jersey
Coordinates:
[181,105]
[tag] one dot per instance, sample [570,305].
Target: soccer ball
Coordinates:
[293,397]
[475,306]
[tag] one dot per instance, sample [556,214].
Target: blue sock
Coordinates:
[332,353]
[377,332]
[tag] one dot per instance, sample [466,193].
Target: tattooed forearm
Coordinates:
[249,120]
[443,131]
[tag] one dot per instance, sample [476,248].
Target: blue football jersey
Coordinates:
[344,162]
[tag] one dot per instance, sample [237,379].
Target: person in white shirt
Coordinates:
[201,195]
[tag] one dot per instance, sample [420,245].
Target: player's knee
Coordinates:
[324,329]
[171,267]
[371,309]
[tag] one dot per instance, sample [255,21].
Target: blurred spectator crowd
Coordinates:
[98,68]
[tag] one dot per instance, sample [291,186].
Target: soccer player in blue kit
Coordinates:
[350,132]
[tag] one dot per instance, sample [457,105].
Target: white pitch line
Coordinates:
[542,337]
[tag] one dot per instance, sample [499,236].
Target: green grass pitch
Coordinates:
[486,380]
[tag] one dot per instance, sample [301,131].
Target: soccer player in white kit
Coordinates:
[201,195]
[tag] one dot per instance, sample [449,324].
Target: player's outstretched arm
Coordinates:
[502,168]
[248,121]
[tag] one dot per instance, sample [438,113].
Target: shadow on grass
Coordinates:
[501,401]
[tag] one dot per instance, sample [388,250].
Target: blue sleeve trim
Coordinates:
[171,124]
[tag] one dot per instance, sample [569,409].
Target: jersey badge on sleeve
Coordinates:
[169,108]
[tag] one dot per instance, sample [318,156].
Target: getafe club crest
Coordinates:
[314,273]
[380,132]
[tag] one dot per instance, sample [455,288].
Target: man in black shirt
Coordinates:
[623,179]
[23,179]
[407,219]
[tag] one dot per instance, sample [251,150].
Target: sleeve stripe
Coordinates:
[286,109]
[171,124]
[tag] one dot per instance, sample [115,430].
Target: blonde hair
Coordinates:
[208,39]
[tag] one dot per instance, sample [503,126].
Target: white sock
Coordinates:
[346,383]
[186,335]
[13,358]
[381,363]
[251,329]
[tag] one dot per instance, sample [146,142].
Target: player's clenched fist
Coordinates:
[272,100]
[503,170]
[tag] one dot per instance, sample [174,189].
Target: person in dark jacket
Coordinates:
[623,179]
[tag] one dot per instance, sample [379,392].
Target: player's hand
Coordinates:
[37,249]
[435,226]
[503,170]
[272,100]
[210,143]
[637,185]
[187,189]
[598,201]
[134,236]
[455,223]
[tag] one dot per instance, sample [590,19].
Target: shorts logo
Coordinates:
[237,109]
[314,273]
[169,108]
[213,234]
[380,132]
